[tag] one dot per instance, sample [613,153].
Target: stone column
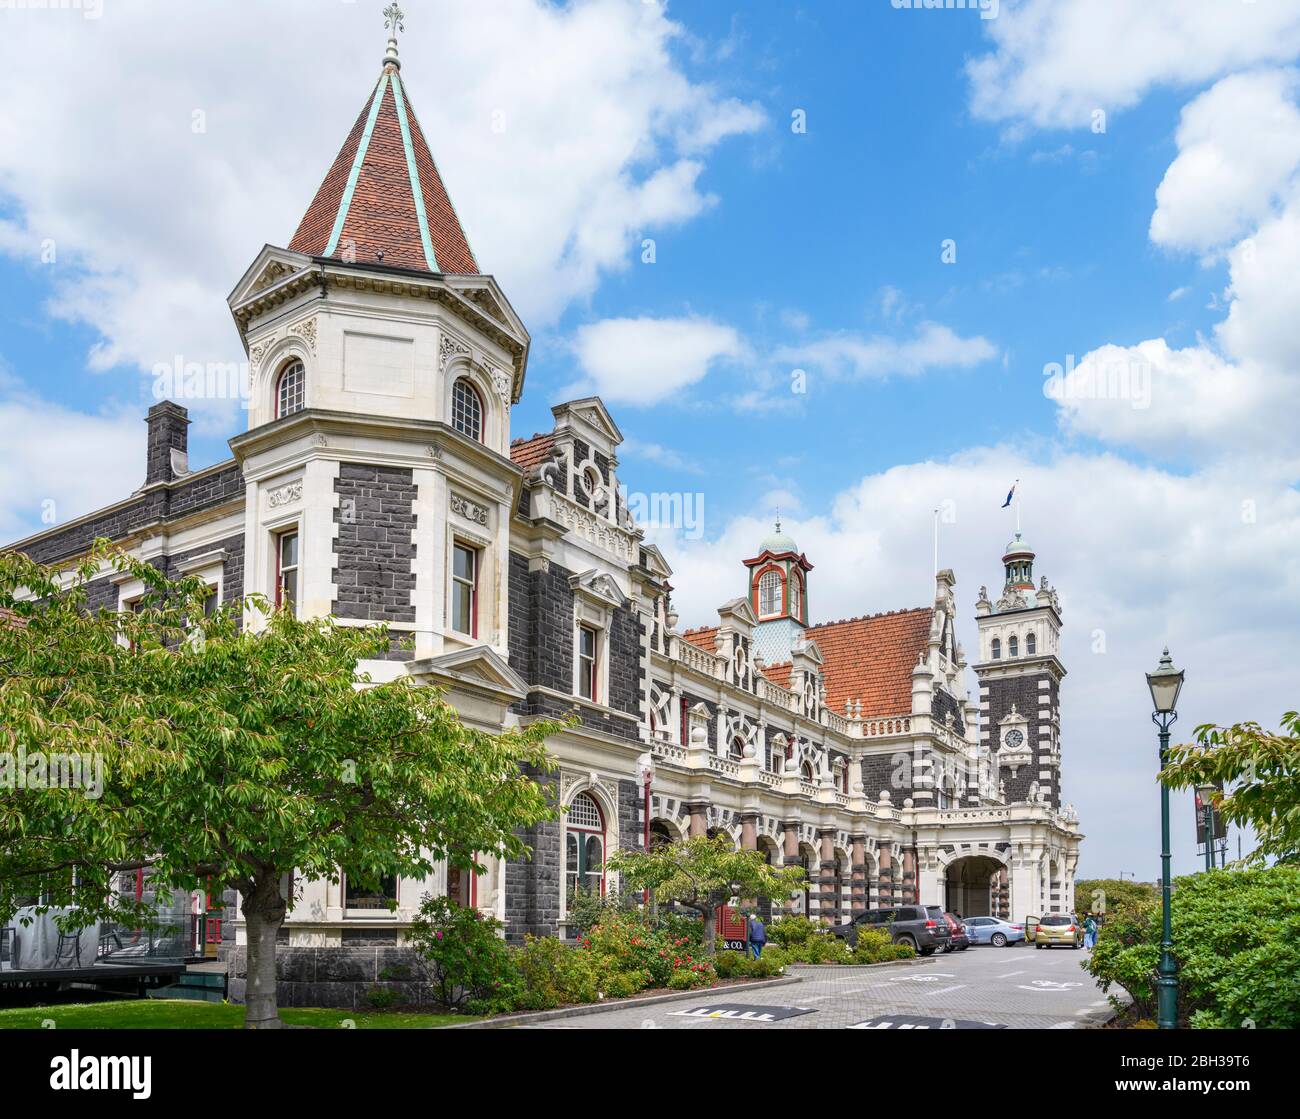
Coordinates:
[885,880]
[749,831]
[699,811]
[1004,895]
[828,905]
[790,854]
[909,877]
[859,872]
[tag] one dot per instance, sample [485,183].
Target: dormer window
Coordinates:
[1031,644]
[997,649]
[467,410]
[291,390]
[1013,646]
[769,593]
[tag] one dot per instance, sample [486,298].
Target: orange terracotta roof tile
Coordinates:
[529,453]
[871,659]
[380,213]
[779,674]
[703,638]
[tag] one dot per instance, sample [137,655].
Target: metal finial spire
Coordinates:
[778,520]
[393,20]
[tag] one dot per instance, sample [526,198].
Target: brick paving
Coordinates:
[1021,988]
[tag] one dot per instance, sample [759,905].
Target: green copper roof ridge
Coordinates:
[345,203]
[413,173]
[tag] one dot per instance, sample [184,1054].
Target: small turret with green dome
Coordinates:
[1018,559]
[778,593]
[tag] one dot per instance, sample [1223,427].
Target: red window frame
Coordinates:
[279,565]
[289,367]
[475,556]
[592,669]
[477,436]
[782,605]
[584,830]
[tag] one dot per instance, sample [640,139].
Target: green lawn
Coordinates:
[180,1014]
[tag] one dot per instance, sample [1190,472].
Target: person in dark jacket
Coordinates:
[757,935]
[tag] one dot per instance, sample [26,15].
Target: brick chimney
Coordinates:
[168,449]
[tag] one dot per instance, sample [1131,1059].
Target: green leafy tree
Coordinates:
[1261,769]
[1103,896]
[231,758]
[702,874]
[1237,941]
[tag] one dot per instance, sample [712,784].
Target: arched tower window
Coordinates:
[467,410]
[291,390]
[1031,644]
[584,847]
[796,596]
[997,649]
[769,593]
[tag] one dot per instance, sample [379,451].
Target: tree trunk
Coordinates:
[710,931]
[264,911]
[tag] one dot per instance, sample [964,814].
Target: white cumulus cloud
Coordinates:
[1054,62]
[564,132]
[646,360]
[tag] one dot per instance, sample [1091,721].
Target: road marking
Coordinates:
[1011,973]
[922,978]
[945,990]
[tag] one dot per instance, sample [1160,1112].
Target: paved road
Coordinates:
[1016,987]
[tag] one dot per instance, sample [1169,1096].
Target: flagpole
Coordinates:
[936,542]
[1017,506]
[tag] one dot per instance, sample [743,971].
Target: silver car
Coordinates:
[993,930]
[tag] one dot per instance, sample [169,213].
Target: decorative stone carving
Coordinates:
[284,495]
[502,383]
[306,330]
[449,348]
[470,510]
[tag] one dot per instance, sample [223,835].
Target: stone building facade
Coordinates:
[378,481]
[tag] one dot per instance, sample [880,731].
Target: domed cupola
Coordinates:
[1019,563]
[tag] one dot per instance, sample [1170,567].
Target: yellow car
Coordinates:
[1054,929]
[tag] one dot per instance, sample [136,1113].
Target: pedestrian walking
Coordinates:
[1090,931]
[757,933]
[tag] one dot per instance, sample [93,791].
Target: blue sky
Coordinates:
[1163,246]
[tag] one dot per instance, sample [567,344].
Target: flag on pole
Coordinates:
[1011,493]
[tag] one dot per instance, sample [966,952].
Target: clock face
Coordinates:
[1014,739]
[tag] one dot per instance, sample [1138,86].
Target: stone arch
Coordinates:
[266,373]
[607,803]
[971,881]
[494,407]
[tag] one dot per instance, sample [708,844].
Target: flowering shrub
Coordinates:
[553,974]
[469,965]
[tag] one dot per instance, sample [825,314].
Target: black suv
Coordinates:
[906,924]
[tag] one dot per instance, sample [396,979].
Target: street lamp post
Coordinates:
[1165,683]
[1206,795]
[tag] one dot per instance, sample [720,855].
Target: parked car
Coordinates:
[906,924]
[995,931]
[958,941]
[1058,928]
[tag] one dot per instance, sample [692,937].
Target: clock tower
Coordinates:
[1020,673]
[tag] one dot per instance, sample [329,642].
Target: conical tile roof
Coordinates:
[383,201]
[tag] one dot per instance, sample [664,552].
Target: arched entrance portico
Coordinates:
[969,886]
